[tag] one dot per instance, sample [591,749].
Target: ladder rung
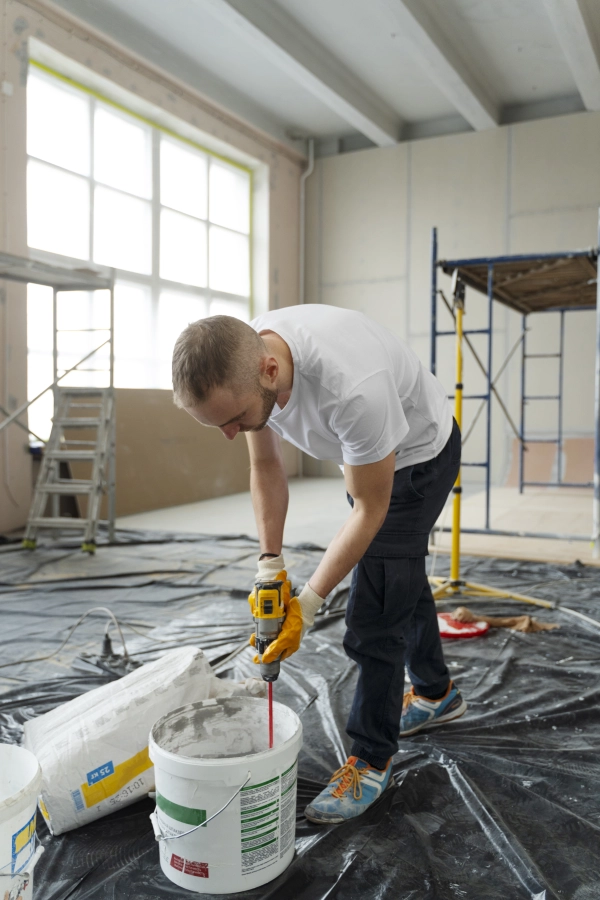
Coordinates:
[71,454]
[78,391]
[78,422]
[79,443]
[541,397]
[72,481]
[85,405]
[58,523]
[64,489]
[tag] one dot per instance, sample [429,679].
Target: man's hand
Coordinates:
[370,487]
[299,616]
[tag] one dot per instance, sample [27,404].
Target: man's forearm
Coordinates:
[345,550]
[269,489]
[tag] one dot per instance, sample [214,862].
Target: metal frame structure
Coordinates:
[579,292]
[63,278]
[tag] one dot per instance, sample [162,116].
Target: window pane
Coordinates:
[122,231]
[183,173]
[175,312]
[230,308]
[83,310]
[135,366]
[182,248]
[58,123]
[229,197]
[122,152]
[229,262]
[58,211]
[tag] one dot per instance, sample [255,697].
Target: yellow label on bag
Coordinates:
[43,809]
[119,776]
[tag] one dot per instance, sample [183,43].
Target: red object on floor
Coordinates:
[270,714]
[452,628]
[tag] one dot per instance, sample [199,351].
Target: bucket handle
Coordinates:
[159,836]
[20,879]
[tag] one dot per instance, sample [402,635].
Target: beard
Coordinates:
[269,399]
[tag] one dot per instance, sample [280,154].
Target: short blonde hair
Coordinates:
[215,352]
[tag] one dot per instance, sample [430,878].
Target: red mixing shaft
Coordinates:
[270,714]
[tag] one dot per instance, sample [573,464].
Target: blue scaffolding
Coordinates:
[529,283]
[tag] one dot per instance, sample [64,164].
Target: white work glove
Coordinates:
[269,568]
[310,603]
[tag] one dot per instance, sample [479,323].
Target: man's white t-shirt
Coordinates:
[358,392]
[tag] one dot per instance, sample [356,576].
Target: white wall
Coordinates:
[277,225]
[522,188]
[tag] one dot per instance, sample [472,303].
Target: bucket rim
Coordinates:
[32,787]
[228,761]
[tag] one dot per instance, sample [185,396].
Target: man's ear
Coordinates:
[269,367]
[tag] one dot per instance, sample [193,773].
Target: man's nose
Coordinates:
[230,431]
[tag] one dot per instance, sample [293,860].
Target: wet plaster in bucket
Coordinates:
[222,731]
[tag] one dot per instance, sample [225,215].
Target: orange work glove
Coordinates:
[299,616]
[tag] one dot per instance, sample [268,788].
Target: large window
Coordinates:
[108,187]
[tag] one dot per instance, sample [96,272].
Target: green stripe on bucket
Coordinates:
[245,840]
[180,813]
[260,846]
[254,809]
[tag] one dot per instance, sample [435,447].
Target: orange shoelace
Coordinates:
[349,778]
[408,699]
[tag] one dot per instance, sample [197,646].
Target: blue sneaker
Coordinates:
[351,791]
[419,712]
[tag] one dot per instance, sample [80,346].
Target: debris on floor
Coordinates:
[524,623]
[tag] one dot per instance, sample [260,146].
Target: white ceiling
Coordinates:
[369,70]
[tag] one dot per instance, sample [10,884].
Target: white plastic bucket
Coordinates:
[20,779]
[225,813]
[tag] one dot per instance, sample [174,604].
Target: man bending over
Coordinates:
[341,387]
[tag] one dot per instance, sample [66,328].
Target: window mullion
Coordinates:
[209,161]
[91,177]
[155,239]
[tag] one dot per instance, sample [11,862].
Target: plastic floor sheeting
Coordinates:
[503,803]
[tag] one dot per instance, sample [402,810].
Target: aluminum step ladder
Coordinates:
[77,409]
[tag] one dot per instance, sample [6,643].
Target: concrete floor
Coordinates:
[318,508]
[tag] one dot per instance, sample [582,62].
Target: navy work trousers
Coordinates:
[391,617]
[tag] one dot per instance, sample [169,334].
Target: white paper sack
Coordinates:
[93,750]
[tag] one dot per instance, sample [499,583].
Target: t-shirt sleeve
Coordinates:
[371,421]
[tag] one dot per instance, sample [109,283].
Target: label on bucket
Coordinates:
[22,846]
[189,866]
[268,813]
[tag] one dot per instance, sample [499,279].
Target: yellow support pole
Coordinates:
[458,403]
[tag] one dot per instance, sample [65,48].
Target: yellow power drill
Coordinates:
[268,611]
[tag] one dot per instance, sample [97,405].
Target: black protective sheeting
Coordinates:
[503,804]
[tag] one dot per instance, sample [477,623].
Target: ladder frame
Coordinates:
[491,264]
[66,278]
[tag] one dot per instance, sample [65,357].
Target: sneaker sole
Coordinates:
[455,714]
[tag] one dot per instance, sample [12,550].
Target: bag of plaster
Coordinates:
[93,750]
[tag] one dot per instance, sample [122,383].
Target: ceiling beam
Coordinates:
[280,39]
[575,38]
[444,65]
